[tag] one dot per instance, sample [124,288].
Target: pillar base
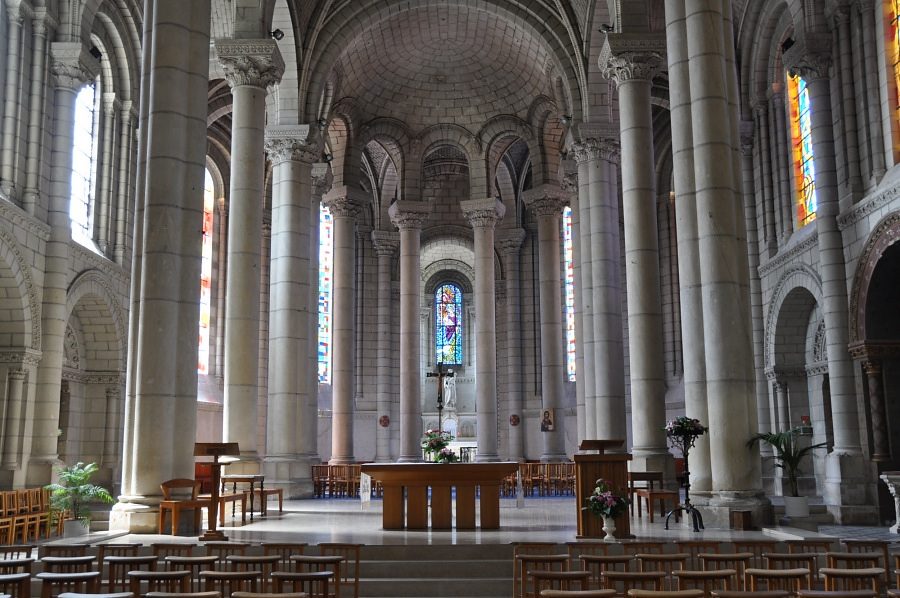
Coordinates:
[291,474]
[850,489]
[717,511]
[133,517]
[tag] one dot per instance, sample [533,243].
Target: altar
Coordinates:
[406,493]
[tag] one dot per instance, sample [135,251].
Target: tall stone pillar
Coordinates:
[633,63]
[849,482]
[723,272]
[12,457]
[546,202]
[292,149]
[386,244]
[409,216]
[483,215]
[165,374]
[345,204]
[881,448]
[690,290]
[71,67]
[251,66]
[10,127]
[597,157]
[510,244]
[31,195]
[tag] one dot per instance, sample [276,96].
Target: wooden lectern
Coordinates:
[589,468]
[215,450]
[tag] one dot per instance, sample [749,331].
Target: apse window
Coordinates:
[206,274]
[802,149]
[84,163]
[448,326]
[326,277]
[569,284]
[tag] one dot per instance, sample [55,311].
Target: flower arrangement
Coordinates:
[683,431]
[434,444]
[604,502]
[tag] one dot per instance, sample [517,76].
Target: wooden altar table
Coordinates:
[406,493]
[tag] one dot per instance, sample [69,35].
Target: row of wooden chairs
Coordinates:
[25,515]
[636,593]
[541,479]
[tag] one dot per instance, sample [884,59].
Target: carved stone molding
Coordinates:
[790,255]
[255,62]
[23,359]
[297,143]
[884,235]
[483,213]
[105,378]
[590,149]
[868,206]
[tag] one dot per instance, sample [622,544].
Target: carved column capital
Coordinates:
[71,65]
[344,202]
[483,213]
[586,150]
[810,57]
[254,62]
[296,143]
[385,242]
[407,214]
[545,200]
[509,241]
[322,179]
[630,57]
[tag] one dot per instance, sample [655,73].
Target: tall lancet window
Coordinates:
[326,266]
[802,149]
[209,200]
[894,52]
[448,325]
[569,284]
[84,163]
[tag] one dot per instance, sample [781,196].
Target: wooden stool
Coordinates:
[660,496]
[84,582]
[264,494]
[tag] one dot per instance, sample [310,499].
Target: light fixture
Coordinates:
[328,157]
[95,52]
[606,28]
[277,34]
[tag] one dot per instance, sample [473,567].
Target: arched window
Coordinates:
[84,163]
[448,325]
[893,49]
[802,149]
[206,273]
[326,266]
[569,283]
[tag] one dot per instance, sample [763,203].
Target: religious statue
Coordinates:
[450,393]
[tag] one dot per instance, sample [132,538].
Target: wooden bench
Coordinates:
[263,495]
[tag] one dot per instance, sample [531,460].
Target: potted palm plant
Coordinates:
[71,496]
[788,456]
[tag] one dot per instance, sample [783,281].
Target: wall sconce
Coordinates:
[277,35]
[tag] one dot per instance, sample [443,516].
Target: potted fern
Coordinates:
[788,456]
[71,496]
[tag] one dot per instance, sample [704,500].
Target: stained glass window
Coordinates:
[895,51]
[802,149]
[569,281]
[326,266]
[448,307]
[84,164]
[206,274]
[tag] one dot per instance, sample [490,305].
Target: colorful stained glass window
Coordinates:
[802,149]
[326,273]
[895,52]
[569,282]
[206,274]
[448,305]
[84,164]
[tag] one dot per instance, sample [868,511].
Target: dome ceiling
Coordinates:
[456,65]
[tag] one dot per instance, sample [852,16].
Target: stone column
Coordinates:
[872,62]
[880,443]
[14,21]
[546,202]
[165,374]
[251,66]
[345,204]
[113,425]
[483,215]
[386,244]
[12,457]
[633,64]
[723,272]
[125,189]
[510,244]
[690,295]
[105,197]
[31,195]
[782,404]
[291,149]
[409,216]
[71,68]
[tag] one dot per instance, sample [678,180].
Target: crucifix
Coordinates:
[440,374]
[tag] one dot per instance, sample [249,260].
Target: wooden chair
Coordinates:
[796,560]
[558,580]
[836,594]
[737,562]
[226,549]
[757,548]
[100,595]
[747,594]
[818,546]
[163,549]
[16,551]
[694,548]
[576,549]
[632,580]
[176,505]
[263,595]
[866,548]
[578,593]
[7,531]
[643,547]
[16,585]
[193,564]
[789,580]
[665,594]
[182,595]
[641,480]
[22,517]
[852,579]
[8,566]
[68,564]
[706,581]
[119,566]
[315,584]
[62,550]
[227,582]
[598,563]
[159,581]
[320,480]
[284,552]
[264,563]
[53,584]
[523,548]
[527,563]
[667,563]
[113,549]
[349,577]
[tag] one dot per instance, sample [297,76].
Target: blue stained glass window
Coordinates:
[326,266]
[569,282]
[802,154]
[448,324]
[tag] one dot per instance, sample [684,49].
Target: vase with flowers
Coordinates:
[682,432]
[435,445]
[607,503]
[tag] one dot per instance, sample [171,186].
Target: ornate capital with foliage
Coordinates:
[385,242]
[322,179]
[546,200]
[591,149]
[344,202]
[483,213]
[71,65]
[509,240]
[630,57]
[810,57]
[297,143]
[255,62]
[407,214]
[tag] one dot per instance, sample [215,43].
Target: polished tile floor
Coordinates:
[538,519]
